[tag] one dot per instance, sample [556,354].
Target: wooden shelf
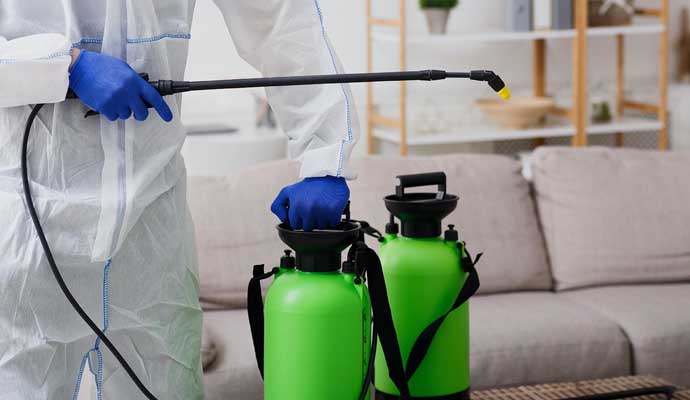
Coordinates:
[649,21]
[425,38]
[639,29]
[630,30]
[469,134]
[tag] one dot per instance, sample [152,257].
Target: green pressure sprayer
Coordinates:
[341,292]
[429,280]
[313,336]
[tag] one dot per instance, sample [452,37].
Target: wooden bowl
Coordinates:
[518,112]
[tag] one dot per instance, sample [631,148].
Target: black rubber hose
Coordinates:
[54,268]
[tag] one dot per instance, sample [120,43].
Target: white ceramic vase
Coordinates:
[437,20]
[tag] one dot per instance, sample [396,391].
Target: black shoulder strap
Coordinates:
[383,318]
[470,287]
[255,309]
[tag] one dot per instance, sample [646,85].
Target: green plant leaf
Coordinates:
[438,3]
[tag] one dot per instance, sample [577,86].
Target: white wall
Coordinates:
[212,56]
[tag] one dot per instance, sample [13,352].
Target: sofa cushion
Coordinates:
[235,229]
[517,338]
[655,318]
[209,353]
[495,214]
[234,374]
[539,337]
[614,216]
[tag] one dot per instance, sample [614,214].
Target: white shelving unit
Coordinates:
[454,39]
[649,21]
[473,134]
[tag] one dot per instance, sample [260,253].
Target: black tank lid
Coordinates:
[320,250]
[421,214]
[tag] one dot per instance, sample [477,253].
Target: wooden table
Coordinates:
[559,391]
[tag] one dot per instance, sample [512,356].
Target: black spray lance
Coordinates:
[168,87]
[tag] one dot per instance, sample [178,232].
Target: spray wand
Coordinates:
[166,87]
[169,87]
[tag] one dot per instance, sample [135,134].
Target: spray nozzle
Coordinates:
[493,80]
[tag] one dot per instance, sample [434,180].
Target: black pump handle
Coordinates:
[426,179]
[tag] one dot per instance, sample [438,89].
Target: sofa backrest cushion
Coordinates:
[496,215]
[235,229]
[614,216]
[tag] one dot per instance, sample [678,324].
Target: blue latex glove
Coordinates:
[110,86]
[314,203]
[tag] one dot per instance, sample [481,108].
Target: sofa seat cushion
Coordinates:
[614,216]
[233,374]
[656,319]
[517,338]
[540,337]
[209,352]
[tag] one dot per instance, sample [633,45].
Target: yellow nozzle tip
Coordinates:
[504,93]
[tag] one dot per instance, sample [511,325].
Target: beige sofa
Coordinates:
[586,272]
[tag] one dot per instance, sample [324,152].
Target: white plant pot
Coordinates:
[437,20]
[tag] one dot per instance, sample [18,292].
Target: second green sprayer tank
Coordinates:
[429,279]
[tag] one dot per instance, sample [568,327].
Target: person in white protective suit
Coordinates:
[111,195]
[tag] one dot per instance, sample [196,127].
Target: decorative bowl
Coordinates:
[518,112]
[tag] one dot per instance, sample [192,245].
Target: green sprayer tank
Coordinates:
[429,277]
[313,335]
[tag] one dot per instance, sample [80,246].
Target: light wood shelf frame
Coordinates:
[579,111]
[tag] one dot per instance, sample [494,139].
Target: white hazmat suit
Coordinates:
[112,195]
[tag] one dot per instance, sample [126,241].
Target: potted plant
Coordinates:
[437,13]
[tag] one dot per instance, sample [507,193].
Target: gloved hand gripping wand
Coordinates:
[169,87]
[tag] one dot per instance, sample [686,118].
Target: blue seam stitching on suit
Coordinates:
[106,324]
[48,57]
[160,37]
[349,137]
[84,41]
[106,301]
[98,374]
[80,374]
[151,39]
[87,41]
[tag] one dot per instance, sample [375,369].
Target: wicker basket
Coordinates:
[615,15]
[556,391]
